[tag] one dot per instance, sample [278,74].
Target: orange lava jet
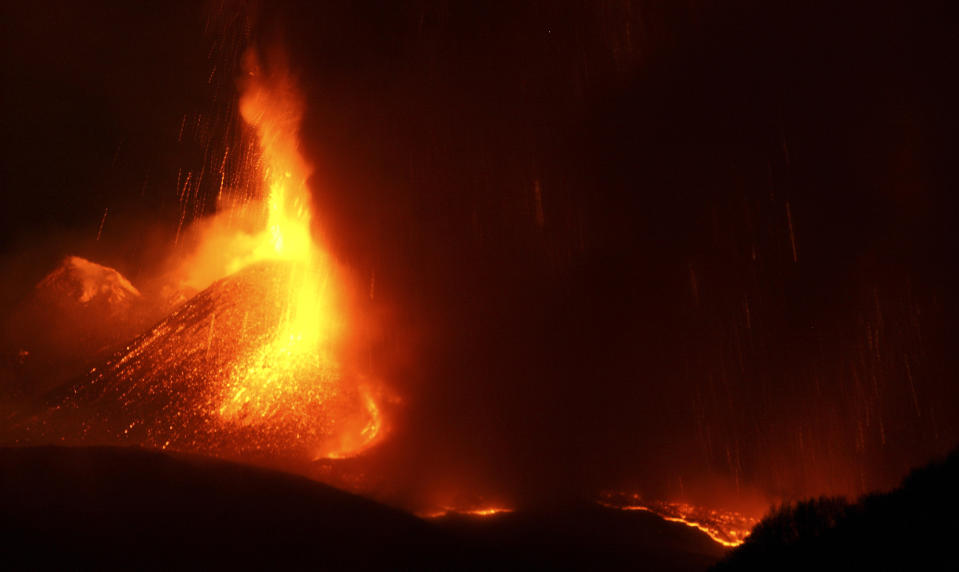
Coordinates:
[312,327]
[298,367]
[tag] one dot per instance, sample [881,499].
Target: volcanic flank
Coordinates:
[81,281]
[75,316]
[221,375]
[79,306]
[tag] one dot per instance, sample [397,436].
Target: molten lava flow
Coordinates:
[728,528]
[476,511]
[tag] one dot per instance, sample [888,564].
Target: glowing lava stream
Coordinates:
[484,511]
[727,528]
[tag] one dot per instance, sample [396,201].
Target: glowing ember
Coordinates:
[728,528]
[477,511]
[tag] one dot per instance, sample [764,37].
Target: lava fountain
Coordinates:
[256,366]
[300,363]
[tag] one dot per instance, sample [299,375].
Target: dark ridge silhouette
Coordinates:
[131,508]
[582,537]
[912,527]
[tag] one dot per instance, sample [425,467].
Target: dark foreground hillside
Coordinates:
[130,508]
[913,527]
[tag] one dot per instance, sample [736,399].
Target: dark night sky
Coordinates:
[649,322]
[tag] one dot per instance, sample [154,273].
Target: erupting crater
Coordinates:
[255,366]
[223,375]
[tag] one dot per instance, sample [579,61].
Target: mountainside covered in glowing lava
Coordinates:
[695,252]
[221,376]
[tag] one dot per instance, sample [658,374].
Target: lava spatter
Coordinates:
[219,376]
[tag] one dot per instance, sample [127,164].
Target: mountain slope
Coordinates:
[131,508]
[911,527]
[212,378]
[78,312]
[105,508]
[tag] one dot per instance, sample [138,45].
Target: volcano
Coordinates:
[218,376]
[258,365]
[76,315]
[78,308]
[82,282]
